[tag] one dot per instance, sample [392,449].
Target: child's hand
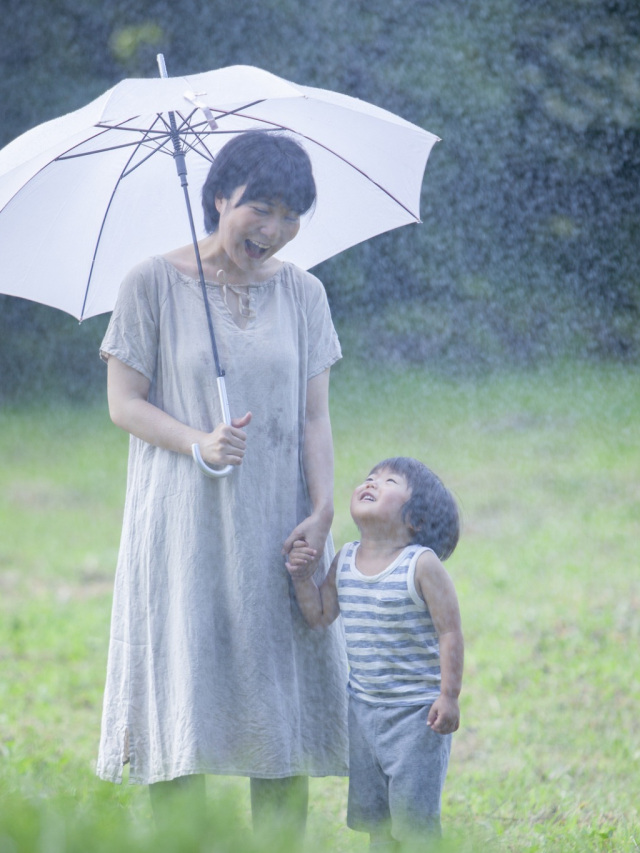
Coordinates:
[444,715]
[301,560]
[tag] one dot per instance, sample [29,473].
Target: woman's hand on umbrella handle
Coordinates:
[224,448]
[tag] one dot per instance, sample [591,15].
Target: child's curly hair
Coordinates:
[431,513]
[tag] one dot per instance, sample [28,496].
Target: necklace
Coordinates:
[245,308]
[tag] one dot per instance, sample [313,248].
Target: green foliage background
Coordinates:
[529,242]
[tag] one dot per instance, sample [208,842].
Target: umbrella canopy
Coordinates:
[85,197]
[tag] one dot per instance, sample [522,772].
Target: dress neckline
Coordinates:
[215,284]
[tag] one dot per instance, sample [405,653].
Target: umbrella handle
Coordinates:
[195,448]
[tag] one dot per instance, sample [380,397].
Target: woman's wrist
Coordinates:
[324,514]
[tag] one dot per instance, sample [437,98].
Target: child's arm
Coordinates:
[319,606]
[436,588]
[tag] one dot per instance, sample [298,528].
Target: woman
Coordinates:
[212,668]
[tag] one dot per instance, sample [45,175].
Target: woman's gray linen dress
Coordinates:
[212,668]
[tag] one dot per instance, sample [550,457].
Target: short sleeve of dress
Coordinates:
[323,343]
[132,333]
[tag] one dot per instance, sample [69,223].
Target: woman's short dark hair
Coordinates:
[271,165]
[431,512]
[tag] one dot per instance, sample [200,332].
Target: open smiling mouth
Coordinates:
[256,251]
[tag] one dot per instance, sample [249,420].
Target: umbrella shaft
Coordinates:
[203,287]
[178,155]
[181,166]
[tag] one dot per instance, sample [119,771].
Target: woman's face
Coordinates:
[254,231]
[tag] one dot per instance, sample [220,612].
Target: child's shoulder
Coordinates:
[429,564]
[429,570]
[342,555]
[431,578]
[346,552]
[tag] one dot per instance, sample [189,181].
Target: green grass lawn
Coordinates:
[546,466]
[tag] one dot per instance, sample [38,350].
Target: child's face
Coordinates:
[380,499]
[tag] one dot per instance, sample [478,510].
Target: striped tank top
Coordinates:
[392,644]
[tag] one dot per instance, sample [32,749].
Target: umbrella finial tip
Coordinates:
[161,65]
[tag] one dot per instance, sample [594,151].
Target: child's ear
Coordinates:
[414,529]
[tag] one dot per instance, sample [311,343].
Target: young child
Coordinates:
[404,642]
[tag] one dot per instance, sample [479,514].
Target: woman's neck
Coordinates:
[216,266]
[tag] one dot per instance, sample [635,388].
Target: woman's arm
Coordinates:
[130,409]
[317,460]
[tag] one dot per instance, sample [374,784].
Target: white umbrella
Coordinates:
[85,197]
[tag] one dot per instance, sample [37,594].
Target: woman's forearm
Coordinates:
[317,456]
[317,462]
[132,412]
[318,467]
[151,424]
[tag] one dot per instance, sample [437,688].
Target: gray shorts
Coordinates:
[397,770]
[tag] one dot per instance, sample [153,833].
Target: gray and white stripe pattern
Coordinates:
[392,644]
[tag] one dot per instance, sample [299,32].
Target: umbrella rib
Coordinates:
[147,133]
[159,149]
[335,154]
[201,134]
[185,130]
[135,144]
[221,114]
[155,139]
[167,139]
[193,129]
[160,137]
[102,226]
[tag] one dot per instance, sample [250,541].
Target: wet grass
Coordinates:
[546,465]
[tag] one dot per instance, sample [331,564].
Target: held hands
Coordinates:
[308,539]
[227,444]
[301,560]
[444,715]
